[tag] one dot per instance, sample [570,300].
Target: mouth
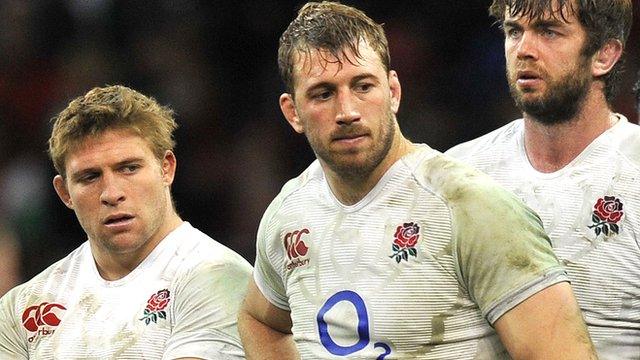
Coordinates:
[118,219]
[351,136]
[350,141]
[527,78]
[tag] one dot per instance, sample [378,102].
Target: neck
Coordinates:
[351,190]
[550,147]
[113,265]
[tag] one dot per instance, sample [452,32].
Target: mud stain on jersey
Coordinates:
[127,338]
[521,261]
[90,304]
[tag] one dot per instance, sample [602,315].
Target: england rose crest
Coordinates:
[404,242]
[607,213]
[155,307]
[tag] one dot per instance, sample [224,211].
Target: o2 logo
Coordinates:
[363,326]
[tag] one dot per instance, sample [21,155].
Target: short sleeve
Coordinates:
[12,344]
[503,252]
[267,279]
[206,310]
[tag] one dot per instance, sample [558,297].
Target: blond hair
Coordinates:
[329,26]
[111,107]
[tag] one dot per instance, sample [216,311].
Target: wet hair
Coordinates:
[602,19]
[332,27]
[111,108]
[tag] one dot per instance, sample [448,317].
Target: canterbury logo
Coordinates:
[294,245]
[40,315]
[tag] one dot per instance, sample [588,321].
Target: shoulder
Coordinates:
[457,183]
[50,278]
[206,268]
[42,290]
[626,139]
[197,250]
[488,141]
[302,184]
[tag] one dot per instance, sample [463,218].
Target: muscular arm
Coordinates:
[265,330]
[547,325]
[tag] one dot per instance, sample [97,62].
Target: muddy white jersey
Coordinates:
[181,301]
[419,268]
[590,210]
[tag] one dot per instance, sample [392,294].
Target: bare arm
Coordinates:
[265,330]
[548,325]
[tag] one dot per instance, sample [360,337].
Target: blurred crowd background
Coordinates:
[214,62]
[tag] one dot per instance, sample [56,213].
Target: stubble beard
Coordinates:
[355,171]
[563,98]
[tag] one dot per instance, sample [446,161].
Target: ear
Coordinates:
[168,165]
[605,58]
[61,189]
[396,91]
[288,107]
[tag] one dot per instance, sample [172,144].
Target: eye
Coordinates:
[512,33]
[130,168]
[364,87]
[88,178]
[548,33]
[322,95]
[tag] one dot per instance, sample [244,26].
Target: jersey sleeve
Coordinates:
[12,342]
[503,252]
[206,309]
[268,280]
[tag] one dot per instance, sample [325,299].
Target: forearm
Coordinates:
[263,342]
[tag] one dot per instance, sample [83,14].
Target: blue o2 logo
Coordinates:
[362,329]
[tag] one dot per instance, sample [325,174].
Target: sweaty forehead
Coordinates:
[311,63]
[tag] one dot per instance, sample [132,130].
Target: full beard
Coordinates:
[357,170]
[562,100]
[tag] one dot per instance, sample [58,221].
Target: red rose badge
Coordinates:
[155,307]
[404,242]
[607,212]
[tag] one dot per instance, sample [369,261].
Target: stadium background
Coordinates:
[214,63]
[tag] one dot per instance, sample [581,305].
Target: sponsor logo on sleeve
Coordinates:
[155,307]
[42,319]
[405,241]
[296,248]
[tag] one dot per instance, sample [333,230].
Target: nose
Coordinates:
[112,193]
[347,109]
[527,46]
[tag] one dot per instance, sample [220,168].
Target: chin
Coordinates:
[123,243]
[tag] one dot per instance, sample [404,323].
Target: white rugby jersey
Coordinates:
[590,210]
[181,301]
[417,269]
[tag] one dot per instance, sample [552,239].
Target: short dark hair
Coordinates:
[602,19]
[330,26]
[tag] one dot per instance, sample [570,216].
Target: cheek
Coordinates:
[85,203]
[315,123]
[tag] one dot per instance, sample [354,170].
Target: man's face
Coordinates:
[119,191]
[548,75]
[347,113]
